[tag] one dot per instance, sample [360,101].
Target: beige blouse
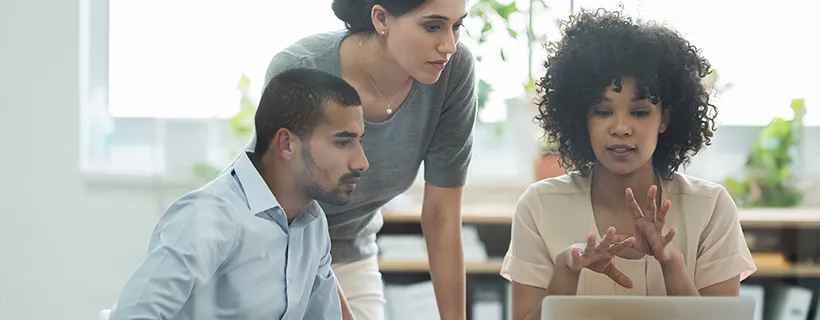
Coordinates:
[553,214]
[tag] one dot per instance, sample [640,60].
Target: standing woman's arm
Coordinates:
[445,171]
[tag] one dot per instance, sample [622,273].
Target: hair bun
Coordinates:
[354,13]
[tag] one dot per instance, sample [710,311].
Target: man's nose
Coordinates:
[360,163]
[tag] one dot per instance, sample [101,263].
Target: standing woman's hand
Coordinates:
[649,226]
[598,257]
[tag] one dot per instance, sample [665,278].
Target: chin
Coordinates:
[427,78]
[621,169]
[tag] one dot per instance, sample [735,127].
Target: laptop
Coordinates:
[647,307]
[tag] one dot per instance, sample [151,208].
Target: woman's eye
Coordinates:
[433,27]
[602,112]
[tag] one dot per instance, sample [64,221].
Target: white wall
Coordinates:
[64,249]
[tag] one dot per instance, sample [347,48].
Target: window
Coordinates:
[183,58]
[168,68]
[760,49]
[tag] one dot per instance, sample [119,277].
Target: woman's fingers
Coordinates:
[578,262]
[663,212]
[669,236]
[620,245]
[609,238]
[651,197]
[616,275]
[590,248]
[635,209]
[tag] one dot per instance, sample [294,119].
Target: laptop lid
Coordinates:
[647,307]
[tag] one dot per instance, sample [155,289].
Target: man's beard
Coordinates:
[314,176]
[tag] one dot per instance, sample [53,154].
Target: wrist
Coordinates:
[671,259]
[564,261]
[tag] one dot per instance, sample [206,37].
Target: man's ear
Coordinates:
[284,143]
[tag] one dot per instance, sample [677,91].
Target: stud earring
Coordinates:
[384,32]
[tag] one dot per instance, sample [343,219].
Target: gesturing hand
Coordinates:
[649,226]
[598,257]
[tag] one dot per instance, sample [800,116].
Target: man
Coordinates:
[253,243]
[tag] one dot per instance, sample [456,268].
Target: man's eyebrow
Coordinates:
[346,134]
[440,17]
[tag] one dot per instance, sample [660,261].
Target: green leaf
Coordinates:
[512,33]
[504,11]
[529,87]
[483,93]
[503,56]
[734,187]
[487,27]
[797,105]
[244,83]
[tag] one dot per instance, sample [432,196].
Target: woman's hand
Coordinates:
[649,226]
[598,257]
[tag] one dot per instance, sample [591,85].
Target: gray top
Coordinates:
[433,125]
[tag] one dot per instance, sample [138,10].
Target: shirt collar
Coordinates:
[259,196]
[257,192]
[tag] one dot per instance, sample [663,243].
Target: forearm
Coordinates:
[563,282]
[347,314]
[676,278]
[442,233]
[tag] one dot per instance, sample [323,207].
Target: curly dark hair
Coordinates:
[598,47]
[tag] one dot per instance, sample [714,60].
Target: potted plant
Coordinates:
[546,163]
[241,131]
[495,15]
[769,180]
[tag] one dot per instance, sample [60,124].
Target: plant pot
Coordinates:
[546,166]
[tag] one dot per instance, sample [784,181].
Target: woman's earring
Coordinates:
[384,32]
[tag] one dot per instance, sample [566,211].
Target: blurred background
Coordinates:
[110,109]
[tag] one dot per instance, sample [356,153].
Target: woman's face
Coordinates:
[423,40]
[623,130]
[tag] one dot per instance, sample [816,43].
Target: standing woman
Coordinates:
[416,83]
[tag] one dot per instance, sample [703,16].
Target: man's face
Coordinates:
[333,158]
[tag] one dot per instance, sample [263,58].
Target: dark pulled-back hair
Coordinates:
[599,47]
[356,13]
[295,100]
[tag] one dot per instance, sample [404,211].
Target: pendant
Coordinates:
[389,111]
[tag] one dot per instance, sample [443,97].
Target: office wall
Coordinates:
[43,241]
[64,249]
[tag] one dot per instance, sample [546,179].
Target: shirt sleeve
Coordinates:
[282,61]
[722,253]
[527,260]
[450,151]
[324,298]
[191,241]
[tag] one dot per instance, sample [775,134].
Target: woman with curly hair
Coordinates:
[626,103]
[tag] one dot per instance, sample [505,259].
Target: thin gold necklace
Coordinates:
[361,61]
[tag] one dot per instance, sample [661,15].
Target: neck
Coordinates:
[609,189]
[371,62]
[281,184]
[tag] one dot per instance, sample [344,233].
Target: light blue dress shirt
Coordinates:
[226,251]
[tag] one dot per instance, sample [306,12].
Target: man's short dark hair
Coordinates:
[295,100]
